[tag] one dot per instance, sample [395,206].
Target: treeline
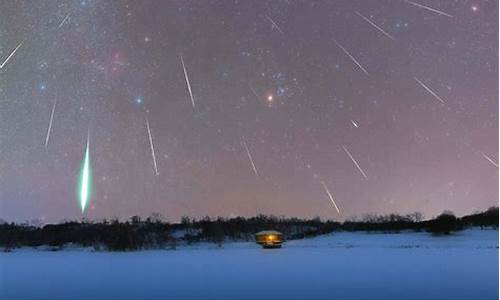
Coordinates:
[155,233]
[443,224]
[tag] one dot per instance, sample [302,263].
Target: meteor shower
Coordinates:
[244,149]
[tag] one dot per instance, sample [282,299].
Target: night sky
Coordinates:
[391,106]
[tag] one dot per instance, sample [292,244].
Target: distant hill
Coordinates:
[137,234]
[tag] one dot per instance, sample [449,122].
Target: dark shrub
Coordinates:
[444,224]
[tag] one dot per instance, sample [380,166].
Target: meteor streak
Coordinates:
[327,191]
[85,178]
[429,90]
[274,24]
[50,124]
[250,158]
[376,26]
[152,148]
[490,160]
[351,57]
[428,8]
[355,162]
[11,54]
[187,82]
[63,21]
[254,92]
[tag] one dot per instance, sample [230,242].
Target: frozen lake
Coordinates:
[336,266]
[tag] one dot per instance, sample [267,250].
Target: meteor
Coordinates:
[11,54]
[254,92]
[429,90]
[152,148]
[428,8]
[490,160]
[274,24]
[50,124]
[376,26]
[351,57]
[327,191]
[63,21]
[355,162]
[85,178]
[250,158]
[187,82]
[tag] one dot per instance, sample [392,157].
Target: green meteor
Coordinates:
[84,189]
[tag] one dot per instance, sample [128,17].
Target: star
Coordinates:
[270,100]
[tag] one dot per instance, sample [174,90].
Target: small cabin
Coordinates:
[269,238]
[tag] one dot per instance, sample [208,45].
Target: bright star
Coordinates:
[270,100]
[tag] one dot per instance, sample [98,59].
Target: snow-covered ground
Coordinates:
[336,266]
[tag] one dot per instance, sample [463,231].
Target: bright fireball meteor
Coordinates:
[85,178]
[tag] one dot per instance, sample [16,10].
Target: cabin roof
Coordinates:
[267,232]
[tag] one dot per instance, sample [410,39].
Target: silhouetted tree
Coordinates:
[445,223]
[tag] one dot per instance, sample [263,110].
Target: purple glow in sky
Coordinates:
[411,93]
